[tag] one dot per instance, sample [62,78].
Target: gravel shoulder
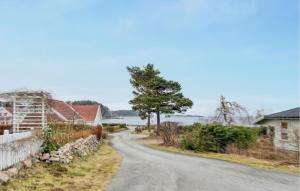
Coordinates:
[146,169]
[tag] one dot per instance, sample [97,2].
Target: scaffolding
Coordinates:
[28,109]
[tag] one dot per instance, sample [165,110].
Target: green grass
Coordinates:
[256,163]
[93,172]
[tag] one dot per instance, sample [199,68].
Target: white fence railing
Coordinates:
[6,138]
[17,147]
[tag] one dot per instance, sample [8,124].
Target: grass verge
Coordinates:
[256,163]
[93,172]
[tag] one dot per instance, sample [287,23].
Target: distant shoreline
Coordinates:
[166,116]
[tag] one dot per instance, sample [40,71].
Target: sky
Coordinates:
[247,51]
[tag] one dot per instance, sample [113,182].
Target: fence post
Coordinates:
[6,132]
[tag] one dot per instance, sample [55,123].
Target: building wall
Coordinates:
[5,117]
[98,118]
[292,143]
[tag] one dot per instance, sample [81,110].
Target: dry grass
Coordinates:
[91,173]
[253,162]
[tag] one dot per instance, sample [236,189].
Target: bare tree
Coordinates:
[227,111]
[169,132]
[259,113]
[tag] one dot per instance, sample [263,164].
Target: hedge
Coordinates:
[216,137]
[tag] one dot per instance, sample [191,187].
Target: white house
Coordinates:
[286,128]
[91,113]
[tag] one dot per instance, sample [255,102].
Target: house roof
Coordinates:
[65,110]
[88,112]
[53,117]
[288,114]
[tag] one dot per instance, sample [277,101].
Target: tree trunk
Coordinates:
[148,122]
[158,122]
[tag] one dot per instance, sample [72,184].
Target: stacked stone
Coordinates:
[14,171]
[80,147]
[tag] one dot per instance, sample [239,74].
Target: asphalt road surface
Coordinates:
[146,169]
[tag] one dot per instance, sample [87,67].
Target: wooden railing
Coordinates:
[17,147]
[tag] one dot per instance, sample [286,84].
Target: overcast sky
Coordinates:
[78,49]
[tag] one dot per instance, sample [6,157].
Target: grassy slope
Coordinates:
[257,163]
[91,173]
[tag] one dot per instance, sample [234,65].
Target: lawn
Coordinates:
[91,173]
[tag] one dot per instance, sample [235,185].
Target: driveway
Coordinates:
[146,169]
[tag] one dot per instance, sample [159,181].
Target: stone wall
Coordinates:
[81,147]
[65,154]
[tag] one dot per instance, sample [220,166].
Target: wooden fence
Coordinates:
[65,133]
[17,147]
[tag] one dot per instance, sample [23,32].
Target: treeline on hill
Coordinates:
[106,112]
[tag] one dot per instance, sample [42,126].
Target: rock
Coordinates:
[12,172]
[45,156]
[4,178]
[54,159]
[27,163]
[19,166]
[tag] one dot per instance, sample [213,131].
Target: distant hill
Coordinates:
[124,113]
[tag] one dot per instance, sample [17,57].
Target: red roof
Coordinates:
[65,110]
[88,112]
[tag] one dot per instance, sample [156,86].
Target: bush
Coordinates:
[241,137]
[49,142]
[104,135]
[138,130]
[122,126]
[110,129]
[215,137]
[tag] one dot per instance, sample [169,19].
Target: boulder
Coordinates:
[4,178]
[12,172]
[54,159]
[27,163]
[45,156]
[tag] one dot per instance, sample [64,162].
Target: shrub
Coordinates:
[104,135]
[216,137]
[138,130]
[241,137]
[49,142]
[110,129]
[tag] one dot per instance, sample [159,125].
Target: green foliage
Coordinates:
[154,94]
[112,127]
[49,142]
[215,137]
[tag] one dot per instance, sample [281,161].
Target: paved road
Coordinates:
[145,169]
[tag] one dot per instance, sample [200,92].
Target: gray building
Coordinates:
[286,128]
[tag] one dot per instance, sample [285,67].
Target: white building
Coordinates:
[91,113]
[286,128]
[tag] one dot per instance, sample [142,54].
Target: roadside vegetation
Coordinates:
[58,134]
[249,146]
[93,172]
[114,127]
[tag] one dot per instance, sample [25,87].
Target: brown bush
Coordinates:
[264,149]
[104,135]
[169,132]
[64,133]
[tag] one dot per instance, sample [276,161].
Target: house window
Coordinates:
[284,136]
[284,125]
